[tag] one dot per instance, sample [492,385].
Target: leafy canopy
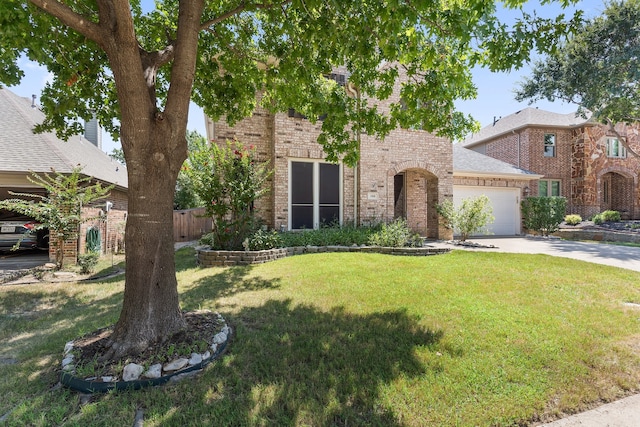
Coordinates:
[598,68]
[282,49]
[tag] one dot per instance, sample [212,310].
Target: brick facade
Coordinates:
[416,160]
[110,224]
[590,180]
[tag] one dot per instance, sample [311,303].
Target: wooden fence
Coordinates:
[190,225]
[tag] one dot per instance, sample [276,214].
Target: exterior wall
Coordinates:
[111,225]
[257,132]
[597,169]
[368,189]
[580,163]
[494,182]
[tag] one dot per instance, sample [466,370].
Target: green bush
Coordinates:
[543,214]
[573,219]
[610,216]
[262,240]
[335,235]
[395,234]
[470,217]
[597,219]
[230,180]
[88,262]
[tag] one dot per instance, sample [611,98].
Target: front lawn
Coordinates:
[462,339]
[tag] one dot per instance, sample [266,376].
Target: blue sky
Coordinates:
[495,90]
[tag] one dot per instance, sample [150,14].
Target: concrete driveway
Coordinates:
[12,262]
[600,253]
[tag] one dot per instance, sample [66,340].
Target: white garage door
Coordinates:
[505,203]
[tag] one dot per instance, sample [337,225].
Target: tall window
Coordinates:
[315,194]
[548,188]
[615,148]
[549,145]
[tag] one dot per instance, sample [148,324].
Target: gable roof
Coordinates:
[471,163]
[24,152]
[525,118]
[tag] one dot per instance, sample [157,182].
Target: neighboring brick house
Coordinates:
[579,159]
[24,152]
[405,175]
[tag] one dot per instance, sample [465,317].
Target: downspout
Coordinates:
[351,88]
[355,192]
[518,147]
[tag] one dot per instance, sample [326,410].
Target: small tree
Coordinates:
[60,210]
[543,214]
[229,181]
[470,217]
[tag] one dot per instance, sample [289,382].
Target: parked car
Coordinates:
[24,235]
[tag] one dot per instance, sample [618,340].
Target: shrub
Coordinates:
[597,219]
[610,216]
[261,240]
[88,262]
[346,235]
[470,217]
[573,219]
[543,214]
[230,181]
[395,234]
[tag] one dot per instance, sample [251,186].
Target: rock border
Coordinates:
[173,371]
[216,258]
[598,235]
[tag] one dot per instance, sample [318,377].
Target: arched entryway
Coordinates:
[616,193]
[415,196]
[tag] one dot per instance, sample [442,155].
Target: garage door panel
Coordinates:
[505,205]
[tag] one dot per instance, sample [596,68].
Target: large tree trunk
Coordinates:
[155,146]
[151,310]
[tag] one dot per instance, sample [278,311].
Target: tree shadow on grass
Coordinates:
[224,283]
[297,365]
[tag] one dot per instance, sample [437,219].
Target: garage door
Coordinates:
[505,203]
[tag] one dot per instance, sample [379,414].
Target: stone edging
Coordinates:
[215,258]
[172,371]
[597,235]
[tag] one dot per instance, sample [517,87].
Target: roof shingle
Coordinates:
[24,151]
[523,118]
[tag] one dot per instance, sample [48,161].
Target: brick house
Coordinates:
[405,175]
[24,152]
[505,185]
[578,159]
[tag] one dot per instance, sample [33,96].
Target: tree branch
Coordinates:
[239,9]
[68,17]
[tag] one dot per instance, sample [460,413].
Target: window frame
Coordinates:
[315,177]
[549,184]
[552,152]
[621,149]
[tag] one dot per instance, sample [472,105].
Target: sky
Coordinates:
[495,90]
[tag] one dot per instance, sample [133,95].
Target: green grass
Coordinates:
[464,339]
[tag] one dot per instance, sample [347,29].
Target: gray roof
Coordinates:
[525,118]
[472,163]
[23,151]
